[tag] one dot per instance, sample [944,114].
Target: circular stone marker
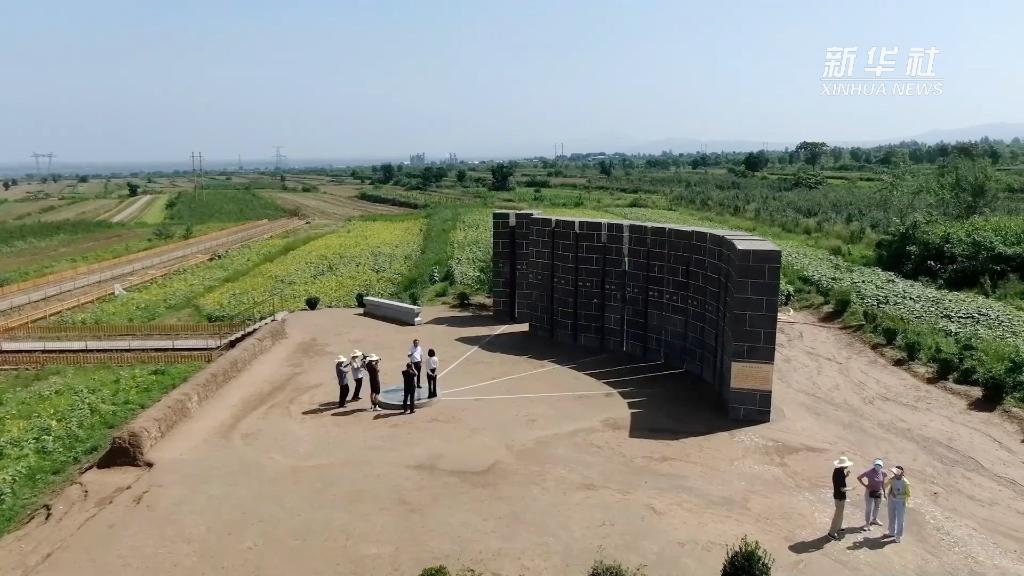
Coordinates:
[391,398]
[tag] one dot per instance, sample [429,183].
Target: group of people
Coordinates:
[358,366]
[878,486]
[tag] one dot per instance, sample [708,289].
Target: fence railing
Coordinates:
[35,360]
[65,332]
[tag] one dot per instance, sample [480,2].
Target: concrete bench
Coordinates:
[391,310]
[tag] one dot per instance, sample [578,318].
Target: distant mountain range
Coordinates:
[997,131]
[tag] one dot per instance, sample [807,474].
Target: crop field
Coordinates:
[367,256]
[55,419]
[330,207]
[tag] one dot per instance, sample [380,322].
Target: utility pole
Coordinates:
[240,163]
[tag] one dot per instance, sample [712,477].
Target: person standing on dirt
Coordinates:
[416,359]
[409,392]
[839,474]
[373,371]
[357,373]
[432,363]
[341,370]
[873,481]
[897,490]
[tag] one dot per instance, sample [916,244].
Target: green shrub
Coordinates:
[913,341]
[312,302]
[943,354]
[359,300]
[888,327]
[439,570]
[785,293]
[747,558]
[463,298]
[604,568]
[841,299]
[854,315]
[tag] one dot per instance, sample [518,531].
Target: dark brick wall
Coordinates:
[703,300]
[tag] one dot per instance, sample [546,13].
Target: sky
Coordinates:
[147,81]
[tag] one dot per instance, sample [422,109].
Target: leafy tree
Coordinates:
[700,161]
[14,181]
[808,179]
[900,193]
[812,152]
[387,173]
[837,155]
[967,187]
[755,161]
[6,185]
[83,179]
[460,175]
[605,168]
[747,558]
[133,189]
[502,175]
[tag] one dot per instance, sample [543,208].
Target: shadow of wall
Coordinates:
[699,299]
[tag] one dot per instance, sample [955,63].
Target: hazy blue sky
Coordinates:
[154,80]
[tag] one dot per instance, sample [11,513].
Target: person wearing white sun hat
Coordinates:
[341,365]
[873,480]
[897,489]
[358,363]
[839,474]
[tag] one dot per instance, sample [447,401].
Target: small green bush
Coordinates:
[359,300]
[841,299]
[888,328]
[747,558]
[439,570]
[312,302]
[943,354]
[604,568]
[463,298]
[913,341]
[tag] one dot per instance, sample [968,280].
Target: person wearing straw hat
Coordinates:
[357,372]
[873,481]
[373,371]
[341,370]
[839,474]
[897,489]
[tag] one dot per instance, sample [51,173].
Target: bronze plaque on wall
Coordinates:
[752,375]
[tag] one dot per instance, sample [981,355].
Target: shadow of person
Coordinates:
[388,415]
[808,546]
[348,412]
[321,408]
[870,543]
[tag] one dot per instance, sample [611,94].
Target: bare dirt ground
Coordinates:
[331,207]
[536,458]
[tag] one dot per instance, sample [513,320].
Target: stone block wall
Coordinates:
[697,299]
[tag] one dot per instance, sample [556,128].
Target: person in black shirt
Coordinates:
[839,474]
[373,371]
[409,395]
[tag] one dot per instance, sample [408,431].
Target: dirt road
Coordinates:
[535,458]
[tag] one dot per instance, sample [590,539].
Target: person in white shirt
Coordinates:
[416,358]
[432,364]
[358,362]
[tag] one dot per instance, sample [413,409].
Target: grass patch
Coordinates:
[156,211]
[222,206]
[56,419]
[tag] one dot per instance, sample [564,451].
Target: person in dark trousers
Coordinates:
[409,395]
[839,474]
[358,364]
[373,371]
[432,364]
[416,359]
[341,371]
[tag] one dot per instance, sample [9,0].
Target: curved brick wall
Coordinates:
[703,300]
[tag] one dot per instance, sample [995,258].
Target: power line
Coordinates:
[279,158]
[197,178]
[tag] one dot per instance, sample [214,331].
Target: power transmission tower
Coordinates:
[279,158]
[49,161]
[197,177]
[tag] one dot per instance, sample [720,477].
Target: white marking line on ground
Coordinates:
[644,375]
[624,366]
[471,350]
[541,394]
[518,375]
